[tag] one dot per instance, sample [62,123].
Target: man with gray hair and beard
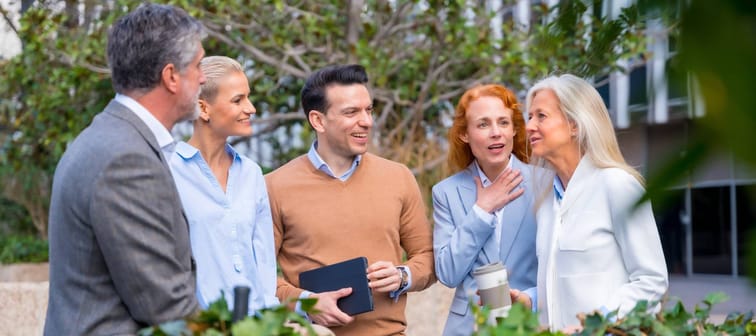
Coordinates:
[120,257]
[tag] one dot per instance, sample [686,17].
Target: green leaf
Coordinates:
[716,298]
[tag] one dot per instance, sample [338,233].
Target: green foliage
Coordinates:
[48,94]
[216,321]
[420,59]
[14,219]
[50,91]
[520,321]
[673,321]
[18,249]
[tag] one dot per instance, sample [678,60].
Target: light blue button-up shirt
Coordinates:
[558,189]
[497,216]
[321,165]
[231,232]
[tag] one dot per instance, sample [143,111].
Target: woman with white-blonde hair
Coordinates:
[596,249]
[224,194]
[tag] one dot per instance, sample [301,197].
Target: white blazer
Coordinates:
[594,251]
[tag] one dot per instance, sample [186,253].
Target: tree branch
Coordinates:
[353,28]
[9,21]
[278,117]
[256,53]
[68,60]
[432,164]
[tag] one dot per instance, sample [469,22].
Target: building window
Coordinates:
[677,80]
[746,202]
[712,245]
[603,89]
[638,95]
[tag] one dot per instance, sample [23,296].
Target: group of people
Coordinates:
[144,230]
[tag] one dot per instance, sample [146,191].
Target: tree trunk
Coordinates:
[354,22]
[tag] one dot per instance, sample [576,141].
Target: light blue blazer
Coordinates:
[462,241]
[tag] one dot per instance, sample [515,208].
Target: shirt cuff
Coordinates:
[298,308]
[395,294]
[533,293]
[483,215]
[605,311]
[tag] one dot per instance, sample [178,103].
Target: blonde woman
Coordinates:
[224,194]
[596,251]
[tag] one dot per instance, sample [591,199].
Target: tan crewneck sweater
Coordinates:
[378,212]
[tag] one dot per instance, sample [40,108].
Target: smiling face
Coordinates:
[229,112]
[550,134]
[490,134]
[344,130]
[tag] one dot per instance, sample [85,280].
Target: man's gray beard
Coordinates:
[194,115]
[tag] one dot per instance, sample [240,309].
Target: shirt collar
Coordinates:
[187,151]
[162,135]
[483,178]
[321,165]
[558,189]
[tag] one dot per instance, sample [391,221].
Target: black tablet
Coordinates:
[350,273]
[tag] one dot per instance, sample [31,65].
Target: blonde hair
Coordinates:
[214,68]
[582,104]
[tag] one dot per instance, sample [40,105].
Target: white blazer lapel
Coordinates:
[583,172]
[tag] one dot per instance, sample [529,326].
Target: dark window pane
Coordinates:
[669,210]
[677,79]
[746,196]
[638,93]
[603,90]
[712,245]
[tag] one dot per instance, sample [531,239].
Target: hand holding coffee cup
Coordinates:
[493,288]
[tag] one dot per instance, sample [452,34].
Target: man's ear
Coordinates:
[204,110]
[316,119]
[169,77]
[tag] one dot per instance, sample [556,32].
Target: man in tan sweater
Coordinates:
[339,202]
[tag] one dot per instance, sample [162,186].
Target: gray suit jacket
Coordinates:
[462,241]
[120,257]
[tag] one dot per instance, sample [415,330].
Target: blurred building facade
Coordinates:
[655,106]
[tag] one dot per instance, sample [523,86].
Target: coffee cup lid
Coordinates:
[493,267]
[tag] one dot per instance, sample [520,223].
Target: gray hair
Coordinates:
[143,42]
[215,68]
[582,104]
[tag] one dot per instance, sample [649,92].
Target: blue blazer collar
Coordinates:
[514,213]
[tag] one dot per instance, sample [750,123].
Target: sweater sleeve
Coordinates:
[284,290]
[415,235]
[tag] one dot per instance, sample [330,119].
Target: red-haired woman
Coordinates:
[484,212]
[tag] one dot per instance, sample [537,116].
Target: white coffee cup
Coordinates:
[493,288]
